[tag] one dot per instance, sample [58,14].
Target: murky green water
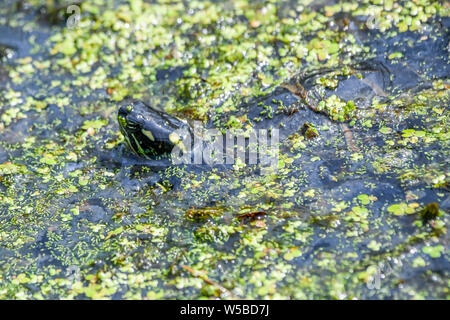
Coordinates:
[81,217]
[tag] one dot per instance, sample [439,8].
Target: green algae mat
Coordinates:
[357,207]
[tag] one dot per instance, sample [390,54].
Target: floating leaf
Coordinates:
[434,252]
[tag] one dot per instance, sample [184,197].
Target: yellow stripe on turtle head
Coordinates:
[148,134]
[174,138]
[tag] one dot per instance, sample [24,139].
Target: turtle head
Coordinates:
[149,132]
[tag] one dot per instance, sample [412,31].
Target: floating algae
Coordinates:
[81,217]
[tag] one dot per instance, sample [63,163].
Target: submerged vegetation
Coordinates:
[362,186]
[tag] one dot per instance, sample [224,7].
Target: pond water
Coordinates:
[359,92]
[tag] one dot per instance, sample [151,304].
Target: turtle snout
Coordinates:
[128,118]
[123,111]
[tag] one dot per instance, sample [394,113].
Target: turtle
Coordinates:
[293,106]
